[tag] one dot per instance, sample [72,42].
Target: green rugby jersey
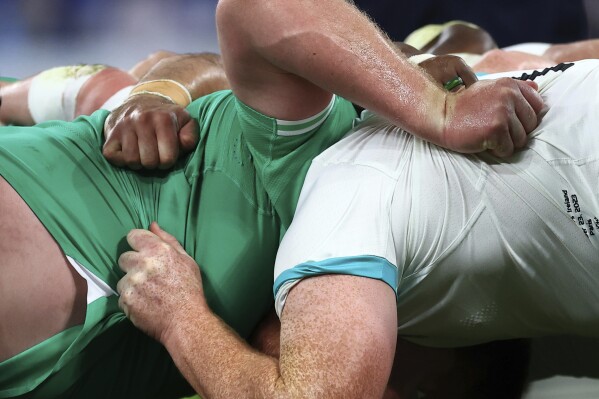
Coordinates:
[229,204]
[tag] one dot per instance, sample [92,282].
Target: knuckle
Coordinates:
[143,117]
[125,296]
[165,118]
[496,126]
[135,279]
[454,59]
[131,235]
[165,247]
[108,152]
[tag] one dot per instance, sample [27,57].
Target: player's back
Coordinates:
[499,249]
[478,248]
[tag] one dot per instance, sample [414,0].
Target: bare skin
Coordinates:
[501,60]
[93,94]
[325,351]
[475,40]
[14,107]
[100,87]
[139,70]
[42,294]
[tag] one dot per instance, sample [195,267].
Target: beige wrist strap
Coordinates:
[168,89]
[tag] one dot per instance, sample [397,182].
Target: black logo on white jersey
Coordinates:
[535,74]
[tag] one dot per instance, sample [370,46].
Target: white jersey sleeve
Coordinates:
[342,225]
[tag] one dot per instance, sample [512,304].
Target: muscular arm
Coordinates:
[200,73]
[338,333]
[285,58]
[337,341]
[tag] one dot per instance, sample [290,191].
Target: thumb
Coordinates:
[188,132]
[166,237]
[532,84]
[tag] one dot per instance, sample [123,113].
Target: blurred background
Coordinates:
[38,34]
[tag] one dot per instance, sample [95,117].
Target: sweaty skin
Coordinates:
[287,69]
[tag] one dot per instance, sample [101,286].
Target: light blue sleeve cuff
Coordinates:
[363,266]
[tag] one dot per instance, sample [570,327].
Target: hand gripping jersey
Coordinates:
[477,248]
[228,203]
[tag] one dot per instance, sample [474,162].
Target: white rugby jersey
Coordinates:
[477,248]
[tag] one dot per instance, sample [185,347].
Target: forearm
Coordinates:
[334,46]
[573,51]
[201,73]
[338,332]
[218,364]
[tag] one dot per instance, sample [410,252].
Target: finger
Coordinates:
[166,237]
[182,117]
[168,144]
[443,69]
[525,108]
[503,146]
[530,92]
[128,261]
[139,239]
[527,118]
[453,84]
[465,72]
[189,136]
[517,132]
[148,147]
[130,150]
[112,148]
[113,152]
[531,83]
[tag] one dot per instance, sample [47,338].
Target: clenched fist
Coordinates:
[148,132]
